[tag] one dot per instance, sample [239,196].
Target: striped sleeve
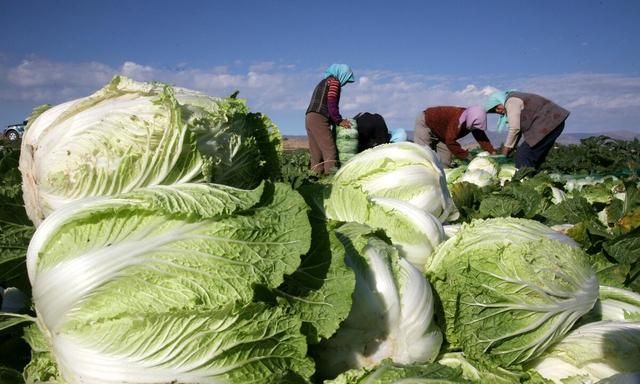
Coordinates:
[333,99]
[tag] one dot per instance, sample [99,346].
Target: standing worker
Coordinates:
[440,128]
[322,114]
[539,120]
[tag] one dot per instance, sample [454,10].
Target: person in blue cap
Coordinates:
[536,118]
[322,114]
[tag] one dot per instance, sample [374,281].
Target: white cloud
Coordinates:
[595,99]
[137,71]
[39,81]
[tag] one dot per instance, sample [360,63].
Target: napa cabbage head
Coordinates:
[481,171]
[592,352]
[132,134]
[478,177]
[484,163]
[391,317]
[158,285]
[508,292]
[403,171]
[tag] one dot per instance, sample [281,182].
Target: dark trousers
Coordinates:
[528,156]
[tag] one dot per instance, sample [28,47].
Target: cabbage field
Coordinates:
[154,234]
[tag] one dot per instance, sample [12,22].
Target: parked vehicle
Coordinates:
[13,132]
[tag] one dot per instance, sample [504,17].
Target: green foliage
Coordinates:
[294,167]
[15,233]
[528,198]
[307,306]
[595,155]
[572,211]
[603,212]
[15,228]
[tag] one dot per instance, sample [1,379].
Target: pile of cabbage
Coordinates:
[167,251]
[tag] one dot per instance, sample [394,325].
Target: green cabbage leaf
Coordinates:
[159,285]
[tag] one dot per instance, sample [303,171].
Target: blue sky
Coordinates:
[406,55]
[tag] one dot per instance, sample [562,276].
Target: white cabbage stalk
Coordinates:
[156,286]
[132,134]
[617,304]
[620,195]
[412,178]
[603,217]
[391,316]
[404,171]
[592,352]
[558,195]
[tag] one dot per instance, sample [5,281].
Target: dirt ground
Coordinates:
[297,142]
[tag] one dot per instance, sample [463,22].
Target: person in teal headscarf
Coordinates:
[536,118]
[323,114]
[497,100]
[342,72]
